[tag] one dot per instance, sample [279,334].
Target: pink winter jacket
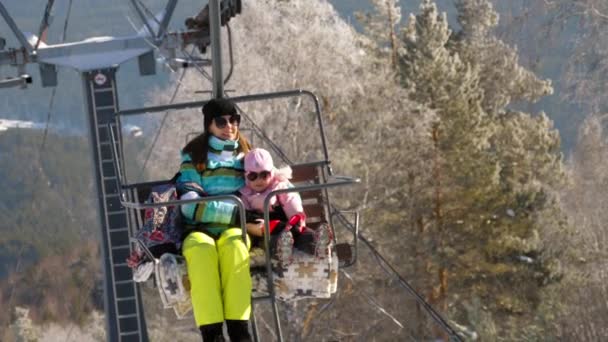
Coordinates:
[291,201]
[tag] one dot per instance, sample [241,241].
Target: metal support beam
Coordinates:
[216,48]
[11,23]
[143,18]
[21,81]
[125,319]
[165,22]
[48,75]
[99,52]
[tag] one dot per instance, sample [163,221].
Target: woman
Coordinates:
[216,256]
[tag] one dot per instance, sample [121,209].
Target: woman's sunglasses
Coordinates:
[221,122]
[252,176]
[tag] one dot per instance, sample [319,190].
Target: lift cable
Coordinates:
[44,24]
[65,23]
[162,123]
[375,304]
[149,13]
[390,270]
[179,84]
[54,90]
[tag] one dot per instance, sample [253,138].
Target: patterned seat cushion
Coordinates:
[306,277]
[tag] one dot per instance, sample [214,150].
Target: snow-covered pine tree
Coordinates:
[476,235]
[476,44]
[527,149]
[462,172]
[381,28]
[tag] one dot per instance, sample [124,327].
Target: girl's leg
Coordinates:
[205,288]
[314,242]
[323,238]
[234,270]
[305,240]
[281,245]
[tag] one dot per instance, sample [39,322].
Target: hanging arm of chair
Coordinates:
[354,228]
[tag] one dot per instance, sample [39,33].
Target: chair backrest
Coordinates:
[315,202]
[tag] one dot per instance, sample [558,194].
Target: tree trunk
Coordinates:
[439,291]
[393,36]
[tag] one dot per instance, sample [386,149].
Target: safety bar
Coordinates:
[239,203]
[166,181]
[332,182]
[146,184]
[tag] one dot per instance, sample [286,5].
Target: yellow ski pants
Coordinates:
[220,284]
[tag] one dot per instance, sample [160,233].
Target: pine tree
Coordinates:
[461,172]
[380,27]
[494,169]
[477,45]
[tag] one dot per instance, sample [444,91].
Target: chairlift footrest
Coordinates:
[344,252]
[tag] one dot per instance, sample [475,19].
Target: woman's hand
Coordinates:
[256,228]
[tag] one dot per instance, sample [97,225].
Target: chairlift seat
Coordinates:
[305,277]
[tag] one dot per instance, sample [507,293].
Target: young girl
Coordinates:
[287,218]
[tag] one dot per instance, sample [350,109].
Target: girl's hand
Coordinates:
[297,222]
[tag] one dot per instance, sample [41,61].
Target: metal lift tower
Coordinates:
[97,60]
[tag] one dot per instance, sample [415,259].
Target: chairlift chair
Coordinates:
[312,180]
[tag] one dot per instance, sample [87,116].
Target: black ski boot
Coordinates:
[238,331]
[212,332]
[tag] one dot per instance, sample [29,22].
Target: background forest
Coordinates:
[478,134]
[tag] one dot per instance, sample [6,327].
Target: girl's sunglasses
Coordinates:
[221,122]
[252,176]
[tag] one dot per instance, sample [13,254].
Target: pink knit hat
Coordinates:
[258,160]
